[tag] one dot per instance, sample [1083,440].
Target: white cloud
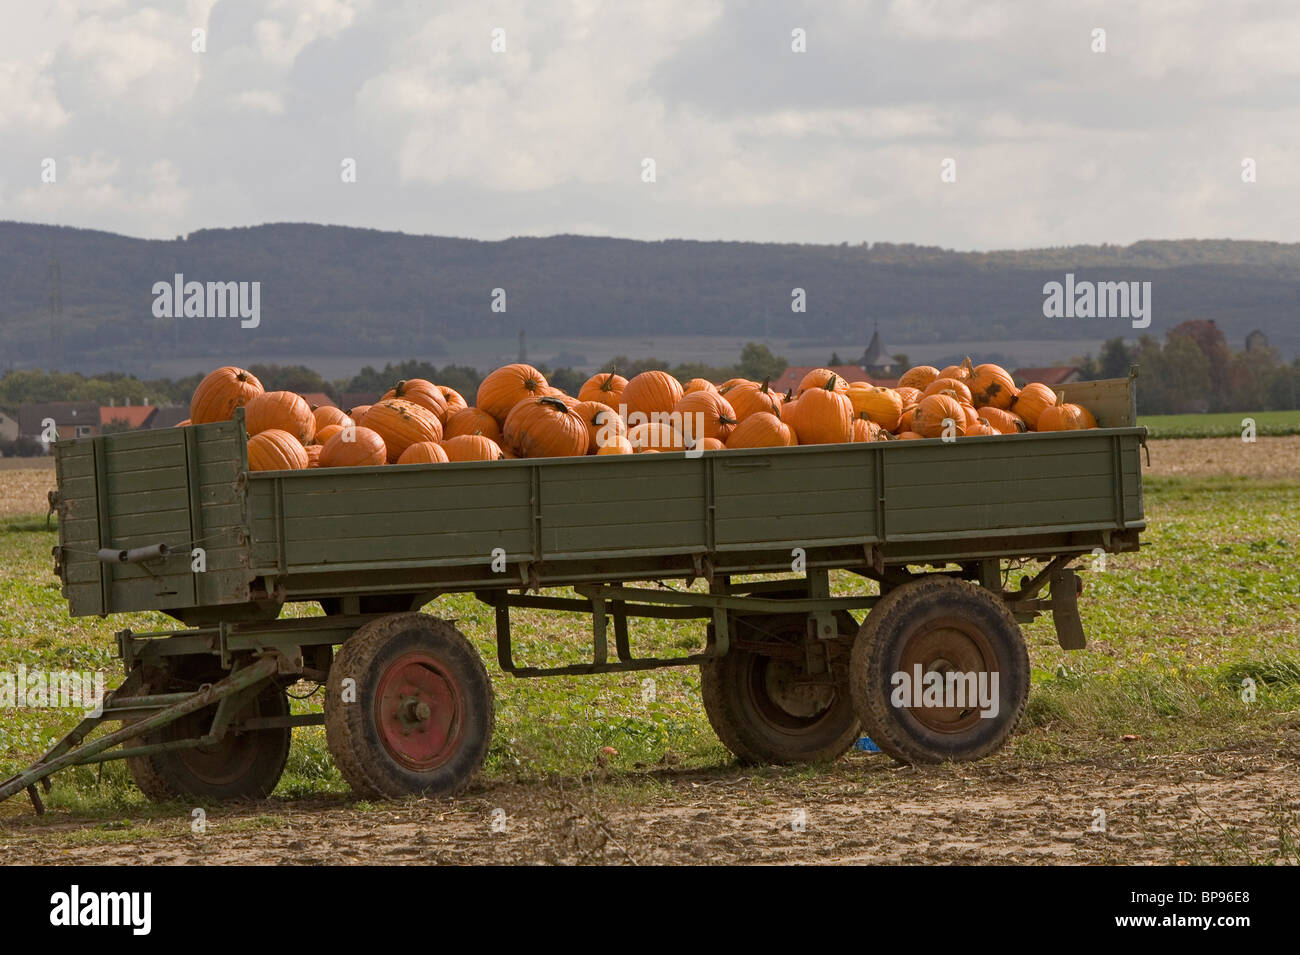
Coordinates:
[296,24]
[267,102]
[27,97]
[1054,144]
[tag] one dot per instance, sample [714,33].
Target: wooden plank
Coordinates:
[145,460]
[1009,514]
[343,527]
[902,497]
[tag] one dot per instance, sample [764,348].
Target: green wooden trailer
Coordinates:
[742,541]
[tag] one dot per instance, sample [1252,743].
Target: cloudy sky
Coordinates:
[1053,142]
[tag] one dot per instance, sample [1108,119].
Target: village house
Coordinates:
[72,419]
[1054,375]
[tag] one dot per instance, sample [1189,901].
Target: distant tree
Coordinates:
[566,379]
[631,367]
[902,361]
[298,378]
[834,360]
[757,362]
[1208,339]
[1087,367]
[1186,376]
[462,378]
[1115,359]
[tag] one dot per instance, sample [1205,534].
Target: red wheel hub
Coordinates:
[418,708]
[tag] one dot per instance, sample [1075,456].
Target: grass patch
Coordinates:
[1210,600]
[1226,425]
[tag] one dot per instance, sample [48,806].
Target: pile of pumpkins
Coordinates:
[517,414]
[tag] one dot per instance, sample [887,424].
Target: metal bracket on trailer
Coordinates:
[156,711]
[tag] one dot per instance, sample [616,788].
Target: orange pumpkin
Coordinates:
[313,455]
[981,428]
[364,448]
[905,419]
[504,388]
[424,452]
[1003,422]
[962,372]
[1064,416]
[732,383]
[762,429]
[276,450]
[221,392]
[282,410]
[819,378]
[473,447]
[908,436]
[864,429]
[454,399]
[972,417]
[991,386]
[1033,400]
[605,388]
[357,413]
[748,398]
[884,406]
[940,385]
[401,423]
[472,421]
[422,392]
[909,395]
[934,411]
[650,393]
[545,428]
[327,415]
[602,422]
[704,414]
[823,415]
[698,384]
[327,432]
[184,424]
[918,377]
[655,436]
[710,444]
[619,445]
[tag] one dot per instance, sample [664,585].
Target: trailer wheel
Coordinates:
[761,704]
[417,716]
[243,765]
[946,626]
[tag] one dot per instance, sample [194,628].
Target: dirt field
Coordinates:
[1224,807]
[1270,459]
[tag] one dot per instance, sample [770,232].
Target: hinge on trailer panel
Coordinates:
[875,557]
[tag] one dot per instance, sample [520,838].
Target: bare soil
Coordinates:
[1271,458]
[1224,806]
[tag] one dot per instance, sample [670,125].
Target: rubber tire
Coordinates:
[876,657]
[752,737]
[165,777]
[350,729]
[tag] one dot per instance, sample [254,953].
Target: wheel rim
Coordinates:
[776,694]
[418,707]
[944,645]
[227,761]
[218,764]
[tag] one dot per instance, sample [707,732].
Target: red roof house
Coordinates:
[1055,375]
[133,416]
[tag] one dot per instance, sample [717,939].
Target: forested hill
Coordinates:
[329,290]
